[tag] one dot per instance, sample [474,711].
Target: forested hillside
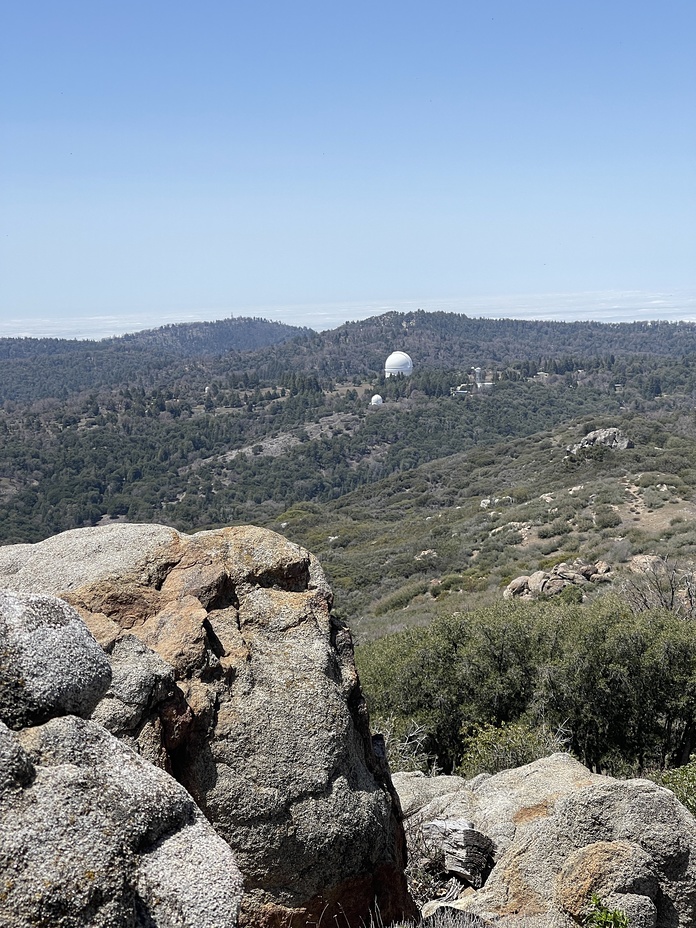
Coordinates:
[422,510]
[38,368]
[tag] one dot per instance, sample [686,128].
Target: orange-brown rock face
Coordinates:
[229,670]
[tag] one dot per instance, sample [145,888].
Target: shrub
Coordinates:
[549,530]
[621,681]
[607,518]
[406,746]
[493,748]
[571,594]
[682,782]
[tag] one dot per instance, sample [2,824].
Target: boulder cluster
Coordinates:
[90,832]
[554,581]
[539,841]
[212,660]
[611,438]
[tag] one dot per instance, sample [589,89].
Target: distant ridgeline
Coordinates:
[186,339]
[33,369]
[37,368]
[450,340]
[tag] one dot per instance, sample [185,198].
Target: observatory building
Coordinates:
[376,400]
[398,362]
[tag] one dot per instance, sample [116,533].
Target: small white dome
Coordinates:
[376,400]
[398,362]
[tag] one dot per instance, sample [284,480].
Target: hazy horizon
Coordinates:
[598,306]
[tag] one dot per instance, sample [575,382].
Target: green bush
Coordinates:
[401,598]
[571,594]
[606,518]
[492,748]
[622,683]
[552,529]
[600,916]
[682,782]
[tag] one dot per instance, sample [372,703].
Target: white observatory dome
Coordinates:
[376,400]
[398,362]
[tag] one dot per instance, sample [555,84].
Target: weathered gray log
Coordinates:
[468,853]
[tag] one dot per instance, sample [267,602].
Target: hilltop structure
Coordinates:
[398,362]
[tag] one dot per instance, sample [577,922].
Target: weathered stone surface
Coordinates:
[16,770]
[416,790]
[537,581]
[619,872]
[554,586]
[467,852]
[611,438]
[270,733]
[93,836]
[517,587]
[49,662]
[563,833]
[143,706]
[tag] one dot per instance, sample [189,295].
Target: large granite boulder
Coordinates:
[251,699]
[91,834]
[561,834]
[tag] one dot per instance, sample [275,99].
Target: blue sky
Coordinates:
[313,161]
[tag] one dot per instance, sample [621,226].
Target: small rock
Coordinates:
[49,662]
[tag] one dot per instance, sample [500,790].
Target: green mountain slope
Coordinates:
[390,497]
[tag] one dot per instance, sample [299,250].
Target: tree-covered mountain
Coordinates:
[32,369]
[171,430]
[37,368]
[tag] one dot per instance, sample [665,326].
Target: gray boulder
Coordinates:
[93,836]
[49,662]
[251,699]
[611,438]
[563,833]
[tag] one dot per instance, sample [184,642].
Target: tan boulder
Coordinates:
[563,833]
[537,581]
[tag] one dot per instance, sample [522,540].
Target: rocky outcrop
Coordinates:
[561,834]
[230,671]
[611,438]
[91,835]
[550,583]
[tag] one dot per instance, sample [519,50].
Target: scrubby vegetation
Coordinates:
[421,507]
[503,685]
